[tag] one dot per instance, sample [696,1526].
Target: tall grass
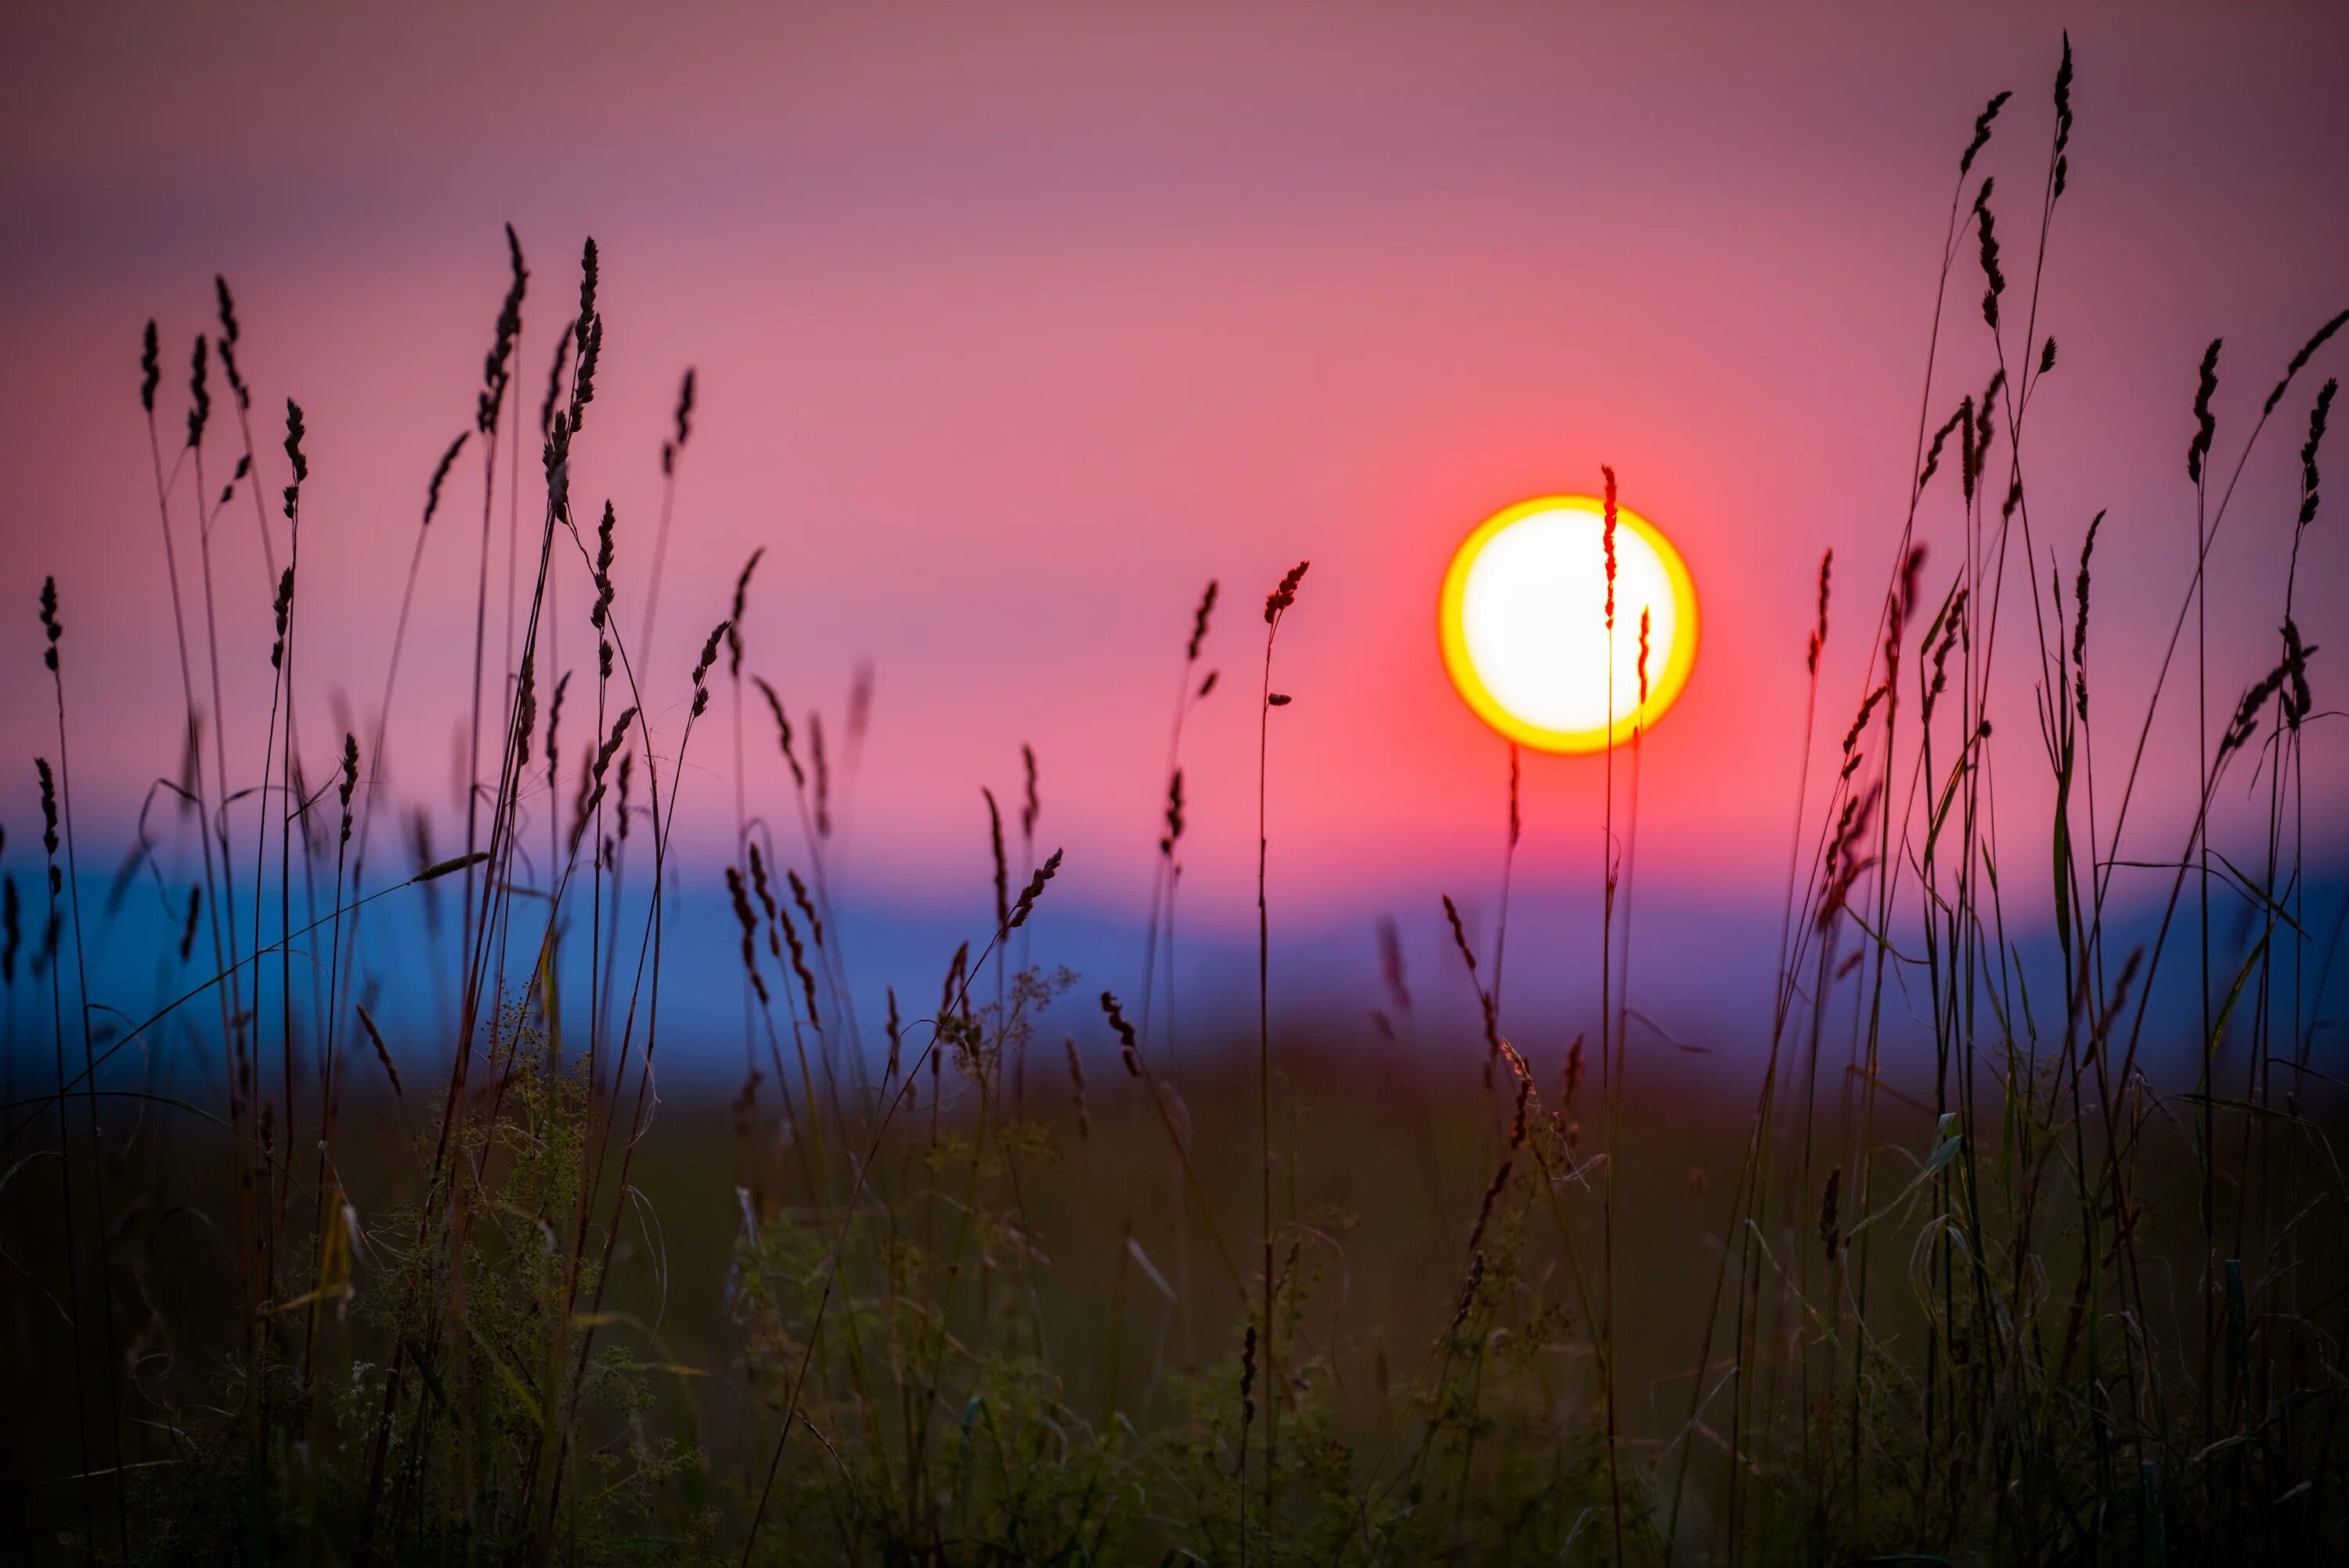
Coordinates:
[1989,1288]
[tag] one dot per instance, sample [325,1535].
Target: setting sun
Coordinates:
[1524,627]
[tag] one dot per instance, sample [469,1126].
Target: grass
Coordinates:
[2015,1300]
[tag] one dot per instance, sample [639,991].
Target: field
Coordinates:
[1994,1238]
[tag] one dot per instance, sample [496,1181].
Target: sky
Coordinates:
[1013,326]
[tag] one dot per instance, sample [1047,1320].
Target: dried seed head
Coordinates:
[748,922]
[782,730]
[497,369]
[701,668]
[1033,890]
[2297,699]
[766,902]
[455,863]
[588,331]
[676,443]
[2080,619]
[823,777]
[301,464]
[1950,624]
[602,610]
[1128,1049]
[800,966]
[1859,723]
[1964,419]
[1819,634]
[555,379]
[382,1051]
[285,609]
[2300,361]
[1830,1229]
[734,622]
[1282,597]
[1459,934]
[958,969]
[51,628]
[1643,655]
[2205,425]
[554,723]
[2317,416]
[350,780]
[151,368]
[1993,280]
[860,702]
[1002,871]
[1981,131]
[1985,421]
[200,394]
[48,809]
[1031,806]
[1199,622]
[441,476]
[1516,820]
[2063,117]
[1606,540]
[188,923]
[1174,834]
[806,907]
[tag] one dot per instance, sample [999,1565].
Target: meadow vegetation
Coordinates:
[998,1275]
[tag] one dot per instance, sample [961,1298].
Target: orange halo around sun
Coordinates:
[1523,623]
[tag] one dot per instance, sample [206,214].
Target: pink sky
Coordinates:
[1011,332]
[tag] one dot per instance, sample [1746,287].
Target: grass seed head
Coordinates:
[2204,426]
[350,781]
[676,443]
[441,476]
[546,408]
[294,457]
[1820,633]
[1981,131]
[734,621]
[497,368]
[1606,540]
[1994,279]
[1174,834]
[2317,417]
[150,369]
[2300,361]
[52,629]
[1282,597]
[1031,806]
[2063,119]
[199,392]
[1034,891]
[1199,622]
[782,730]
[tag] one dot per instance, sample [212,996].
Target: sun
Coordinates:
[1522,622]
